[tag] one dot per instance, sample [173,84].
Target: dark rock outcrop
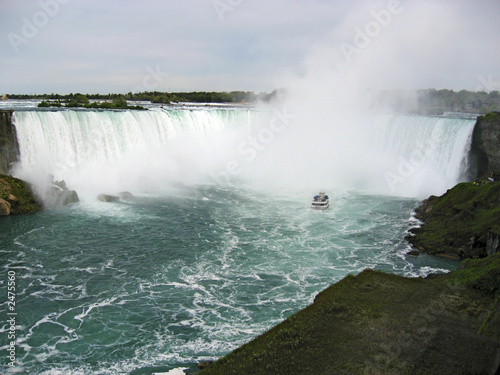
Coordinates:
[108,198]
[126,195]
[17,196]
[58,194]
[122,196]
[485,148]
[9,149]
[4,207]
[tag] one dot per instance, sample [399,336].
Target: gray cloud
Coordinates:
[107,46]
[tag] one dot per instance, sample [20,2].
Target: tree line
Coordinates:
[154,97]
[436,102]
[80,100]
[423,102]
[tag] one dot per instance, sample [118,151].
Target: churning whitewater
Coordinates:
[215,245]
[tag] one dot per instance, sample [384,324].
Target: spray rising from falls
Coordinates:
[401,155]
[148,151]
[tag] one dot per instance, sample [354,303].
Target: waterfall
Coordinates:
[128,150]
[423,155]
[109,151]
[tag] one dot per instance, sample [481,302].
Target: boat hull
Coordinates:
[320,205]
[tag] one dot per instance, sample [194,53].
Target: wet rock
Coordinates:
[108,198]
[126,195]
[9,148]
[4,207]
[71,196]
[485,153]
[58,194]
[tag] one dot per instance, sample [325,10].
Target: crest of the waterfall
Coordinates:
[141,151]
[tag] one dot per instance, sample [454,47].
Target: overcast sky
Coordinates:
[102,46]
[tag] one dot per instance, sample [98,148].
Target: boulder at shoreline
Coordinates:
[17,196]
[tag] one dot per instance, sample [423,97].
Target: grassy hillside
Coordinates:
[18,194]
[378,323]
[457,223]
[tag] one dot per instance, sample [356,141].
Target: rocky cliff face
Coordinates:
[485,149]
[462,223]
[9,149]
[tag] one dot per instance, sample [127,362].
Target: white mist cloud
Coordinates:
[379,45]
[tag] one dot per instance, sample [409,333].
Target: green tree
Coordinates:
[494,94]
[163,99]
[78,100]
[119,102]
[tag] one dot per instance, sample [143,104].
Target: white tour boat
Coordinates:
[320,201]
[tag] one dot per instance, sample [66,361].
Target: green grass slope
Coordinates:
[18,194]
[378,323]
[457,222]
